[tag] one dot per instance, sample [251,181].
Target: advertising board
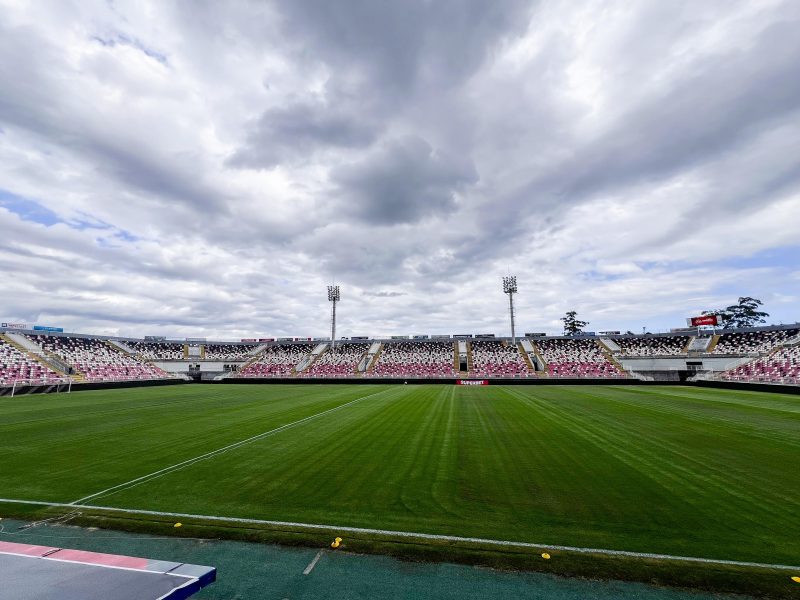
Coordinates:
[703,321]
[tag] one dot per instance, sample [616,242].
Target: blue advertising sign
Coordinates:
[53,329]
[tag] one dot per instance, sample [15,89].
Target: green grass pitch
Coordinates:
[679,470]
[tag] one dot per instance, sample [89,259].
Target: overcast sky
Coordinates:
[207,168]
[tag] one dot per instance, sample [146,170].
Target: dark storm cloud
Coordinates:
[297,131]
[378,55]
[400,44]
[403,181]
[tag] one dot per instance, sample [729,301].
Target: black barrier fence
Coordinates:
[736,385]
[49,388]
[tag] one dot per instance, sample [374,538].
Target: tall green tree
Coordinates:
[745,313]
[572,324]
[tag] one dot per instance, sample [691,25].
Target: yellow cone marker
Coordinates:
[796,579]
[178,525]
[545,556]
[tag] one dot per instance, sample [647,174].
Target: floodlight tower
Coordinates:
[510,288]
[333,296]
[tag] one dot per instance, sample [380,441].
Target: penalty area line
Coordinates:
[413,535]
[217,452]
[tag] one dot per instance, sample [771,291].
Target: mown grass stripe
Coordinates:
[217,452]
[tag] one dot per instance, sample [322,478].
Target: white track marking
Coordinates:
[218,451]
[313,563]
[412,535]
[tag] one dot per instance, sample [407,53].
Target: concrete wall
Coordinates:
[679,363]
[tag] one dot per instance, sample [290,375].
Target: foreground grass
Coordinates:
[687,471]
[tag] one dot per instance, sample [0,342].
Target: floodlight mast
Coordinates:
[333,296]
[510,288]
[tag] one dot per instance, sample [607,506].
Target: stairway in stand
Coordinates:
[375,359]
[537,353]
[525,357]
[610,358]
[712,345]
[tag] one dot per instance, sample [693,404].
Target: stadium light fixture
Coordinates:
[510,288]
[333,297]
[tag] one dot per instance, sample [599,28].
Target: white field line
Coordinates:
[218,451]
[411,535]
[313,563]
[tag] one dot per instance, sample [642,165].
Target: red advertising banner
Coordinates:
[472,382]
[703,321]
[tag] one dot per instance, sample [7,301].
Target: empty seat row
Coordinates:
[157,350]
[417,359]
[97,360]
[781,366]
[343,360]
[16,365]
[746,342]
[568,357]
[229,351]
[497,359]
[277,360]
[653,345]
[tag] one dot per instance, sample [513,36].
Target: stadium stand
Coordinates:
[417,359]
[653,345]
[96,360]
[771,352]
[781,366]
[566,357]
[229,351]
[15,365]
[497,359]
[343,361]
[278,360]
[745,342]
[157,350]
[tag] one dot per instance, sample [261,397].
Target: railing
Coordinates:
[576,376]
[472,375]
[760,379]
[124,379]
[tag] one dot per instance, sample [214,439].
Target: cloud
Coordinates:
[403,181]
[297,131]
[384,294]
[207,169]
[405,44]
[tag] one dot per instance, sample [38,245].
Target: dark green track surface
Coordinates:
[687,471]
[267,572]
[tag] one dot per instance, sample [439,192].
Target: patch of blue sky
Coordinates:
[783,257]
[121,38]
[33,211]
[27,209]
